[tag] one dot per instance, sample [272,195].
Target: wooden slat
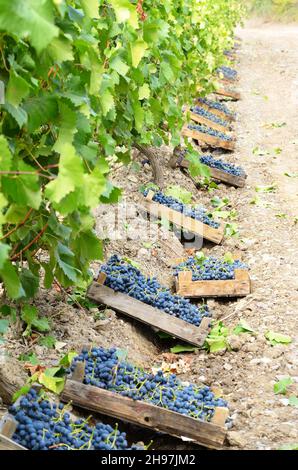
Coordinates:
[186,223]
[233,94]
[219,175]
[208,139]
[143,414]
[217,112]
[238,287]
[8,444]
[149,315]
[8,426]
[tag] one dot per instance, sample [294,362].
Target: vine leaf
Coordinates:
[138,49]
[125,11]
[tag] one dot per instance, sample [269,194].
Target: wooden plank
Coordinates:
[8,444]
[187,223]
[208,139]
[238,287]
[217,112]
[143,414]
[206,122]
[154,317]
[8,426]
[219,175]
[233,94]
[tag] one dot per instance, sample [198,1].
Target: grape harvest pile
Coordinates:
[210,131]
[125,278]
[209,269]
[208,115]
[216,105]
[197,213]
[228,73]
[223,166]
[43,425]
[103,369]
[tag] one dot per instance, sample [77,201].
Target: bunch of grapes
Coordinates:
[123,277]
[210,131]
[223,166]
[216,105]
[212,117]
[209,269]
[43,425]
[197,213]
[104,370]
[228,73]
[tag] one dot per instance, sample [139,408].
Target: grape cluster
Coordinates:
[210,131]
[198,213]
[43,425]
[104,370]
[216,105]
[212,117]
[223,166]
[123,277]
[209,269]
[228,73]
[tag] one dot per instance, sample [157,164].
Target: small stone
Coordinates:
[235,439]
[235,342]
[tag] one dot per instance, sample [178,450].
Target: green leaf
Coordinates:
[52,383]
[11,280]
[180,348]
[17,89]
[243,327]
[5,154]
[267,189]
[106,101]
[119,66]
[4,324]
[29,315]
[30,357]
[138,49]
[177,192]
[48,341]
[34,21]
[69,177]
[66,360]
[40,110]
[291,175]
[91,8]
[228,258]
[125,11]
[281,387]
[19,114]
[4,250]
[216,343]
[144,92]
[277,338]
[293,401]
[289,447]
[121,354]
[22,391]
[30,282]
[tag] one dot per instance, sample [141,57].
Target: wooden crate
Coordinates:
[8,425]
[238,287]
[227,178]
[209,434]
[208,139]
[151,316]
[188,224]
[217,112]
[206,122]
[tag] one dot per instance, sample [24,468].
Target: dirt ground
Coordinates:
[267,242]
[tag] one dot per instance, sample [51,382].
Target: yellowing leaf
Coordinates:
[125,11]
[138,49]
[144,92]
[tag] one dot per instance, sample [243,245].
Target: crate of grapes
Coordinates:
[149,315]
[208,136]
[208,229]
[219,170]
[211,277]
[141,410]
[217,108]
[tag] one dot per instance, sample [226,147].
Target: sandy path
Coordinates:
[269,85]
